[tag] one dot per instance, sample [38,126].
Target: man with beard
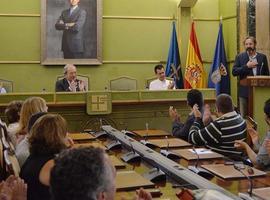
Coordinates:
[248,63]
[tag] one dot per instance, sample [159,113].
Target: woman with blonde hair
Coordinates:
[30,107]
[48,137]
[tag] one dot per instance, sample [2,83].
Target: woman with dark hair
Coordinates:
[262,159]
[12,113]
[48,137]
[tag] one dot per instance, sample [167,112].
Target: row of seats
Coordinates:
[9,164]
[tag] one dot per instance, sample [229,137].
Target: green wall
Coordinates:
[139,43]
[131,47]
[206,15]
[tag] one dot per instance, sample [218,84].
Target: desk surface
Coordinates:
[234,186]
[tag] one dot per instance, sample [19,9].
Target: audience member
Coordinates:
[262,159]
[2,89]
[161,83]
[22,152]
[220,134]
[85,173]
[31,106]
[12,113]
[48,137]
[248,63]
[13,188]
[70,83]
[180,129]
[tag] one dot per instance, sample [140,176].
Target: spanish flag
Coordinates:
[194,72]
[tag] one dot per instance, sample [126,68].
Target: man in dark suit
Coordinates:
[248,63]
[71,22]
[70,83]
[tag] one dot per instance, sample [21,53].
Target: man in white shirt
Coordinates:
[161,83]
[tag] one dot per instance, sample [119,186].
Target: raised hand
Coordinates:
[82,85]
[171,85]
[196,111]
[173,114]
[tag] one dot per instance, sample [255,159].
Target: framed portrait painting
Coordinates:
[71,32]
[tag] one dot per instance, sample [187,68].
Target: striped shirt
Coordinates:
[220,134]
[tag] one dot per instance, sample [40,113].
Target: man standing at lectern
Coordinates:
[248,63]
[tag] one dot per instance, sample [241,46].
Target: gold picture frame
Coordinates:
[90,42]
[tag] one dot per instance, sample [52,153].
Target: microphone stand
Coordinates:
[100,133]
[198,170]
[131,156]
[145,142]
[168,153]
[155,174]
[243,195]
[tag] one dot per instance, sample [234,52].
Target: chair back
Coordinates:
[6,141]
[7,85]
[123,83]
[11,163]
[83,78]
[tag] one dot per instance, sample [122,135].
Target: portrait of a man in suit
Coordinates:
[71,32]
[71,22]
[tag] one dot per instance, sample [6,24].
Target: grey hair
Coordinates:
[66,68]
[106,178]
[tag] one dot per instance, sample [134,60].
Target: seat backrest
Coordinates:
[85,79]
[149,80]
[1,149]
[6,141]
[123,83]
[8,85]
[11,163]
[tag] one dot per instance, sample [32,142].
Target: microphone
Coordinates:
[167,153]
[155,174]
[99,133]
[240,167]
[261,68]
[147,129]
[145,142]
[126,132]
[114,144]
[131,156]
[199,170]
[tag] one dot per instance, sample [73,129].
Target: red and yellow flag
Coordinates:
[194,73]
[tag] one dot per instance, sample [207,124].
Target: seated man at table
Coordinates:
[262,159]
[161,83]
[85,173]
[180,129]
[220,134]
[69,83]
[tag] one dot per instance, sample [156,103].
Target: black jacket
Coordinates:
[241,70]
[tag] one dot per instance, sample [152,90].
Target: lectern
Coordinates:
[253,82]
[259,92]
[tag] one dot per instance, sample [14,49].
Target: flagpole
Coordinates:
[221,19]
